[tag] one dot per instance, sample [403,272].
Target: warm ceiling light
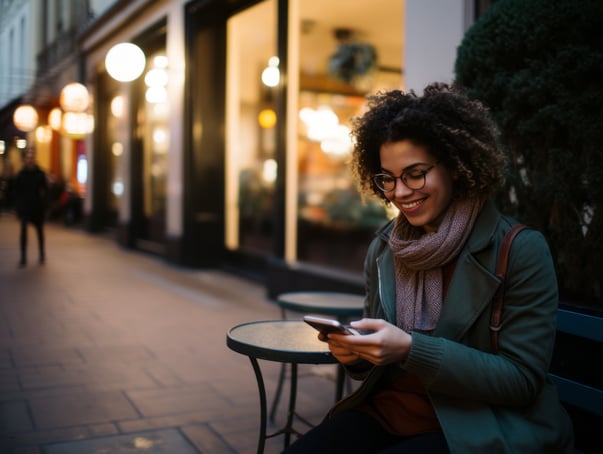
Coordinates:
[117,106]
[267,118]
[74,97]
[156,95]
[43,134]
[55,118]
[77,125]
[156,77]
[271,74]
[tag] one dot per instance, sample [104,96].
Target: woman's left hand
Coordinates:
[386,344]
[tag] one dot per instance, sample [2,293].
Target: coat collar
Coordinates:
[484,228]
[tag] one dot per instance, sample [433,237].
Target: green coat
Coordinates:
[486,403]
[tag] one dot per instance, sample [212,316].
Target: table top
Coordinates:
[279,340]
[326,303]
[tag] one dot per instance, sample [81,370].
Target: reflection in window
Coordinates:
[341,60]
[116,133]
[155,137]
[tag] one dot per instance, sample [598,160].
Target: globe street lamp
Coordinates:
[125,62]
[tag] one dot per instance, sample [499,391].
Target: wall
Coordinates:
[433,30]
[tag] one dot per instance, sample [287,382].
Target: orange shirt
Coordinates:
[402,406]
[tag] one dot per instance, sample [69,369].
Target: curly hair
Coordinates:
[458,131]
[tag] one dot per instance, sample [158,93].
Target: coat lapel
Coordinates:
[473,283]
[387,284]
[471,291]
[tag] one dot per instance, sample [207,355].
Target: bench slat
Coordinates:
[580,395]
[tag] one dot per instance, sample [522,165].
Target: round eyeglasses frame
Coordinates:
[417,174]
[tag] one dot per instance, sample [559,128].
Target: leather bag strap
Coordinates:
[501,271]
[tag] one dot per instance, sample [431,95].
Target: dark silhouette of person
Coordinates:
[30,193]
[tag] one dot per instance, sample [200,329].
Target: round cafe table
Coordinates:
[285,341]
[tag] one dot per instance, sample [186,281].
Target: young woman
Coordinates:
[431,381]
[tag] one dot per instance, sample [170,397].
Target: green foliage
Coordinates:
[538,65]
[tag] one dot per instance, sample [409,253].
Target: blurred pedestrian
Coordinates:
[30,193]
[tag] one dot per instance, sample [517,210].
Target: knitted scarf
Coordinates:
[418,260]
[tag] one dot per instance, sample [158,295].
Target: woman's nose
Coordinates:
[401,189]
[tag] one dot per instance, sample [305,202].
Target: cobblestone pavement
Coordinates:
[107,350]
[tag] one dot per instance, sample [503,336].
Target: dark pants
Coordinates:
[357,432]
[39,226]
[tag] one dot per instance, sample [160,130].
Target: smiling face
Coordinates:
[423,207]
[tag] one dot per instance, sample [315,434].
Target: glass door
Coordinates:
[345,54]
[252,74]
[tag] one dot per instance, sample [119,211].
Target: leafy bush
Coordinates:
[538,65]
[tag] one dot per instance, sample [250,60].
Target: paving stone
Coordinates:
[80,408]
[103,429]
[158,422]
[104,348]
[49,376]
[42,437]
[162,375]
[14,417]
[180,399]
[127,354]
[38,355]
[207,440]
[167,441]
[8,380]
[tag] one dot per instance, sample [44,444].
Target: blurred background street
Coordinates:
[108,350]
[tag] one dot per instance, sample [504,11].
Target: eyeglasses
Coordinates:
[413,178]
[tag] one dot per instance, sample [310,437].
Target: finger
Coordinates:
[368,323]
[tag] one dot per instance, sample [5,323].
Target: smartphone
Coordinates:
[328,325]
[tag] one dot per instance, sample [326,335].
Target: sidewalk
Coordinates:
[108,350]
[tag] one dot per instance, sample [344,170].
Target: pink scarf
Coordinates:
[418,259]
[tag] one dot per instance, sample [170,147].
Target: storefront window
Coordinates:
[252,74]
[342,58]
[116,137]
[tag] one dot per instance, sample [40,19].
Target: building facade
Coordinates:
[20,42]
[238,157]
[39,57]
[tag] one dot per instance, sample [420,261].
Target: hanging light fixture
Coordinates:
[54,118]
[77,124]
[74,97]
[43,134]
[25,118]
[156,79]
[125,62]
